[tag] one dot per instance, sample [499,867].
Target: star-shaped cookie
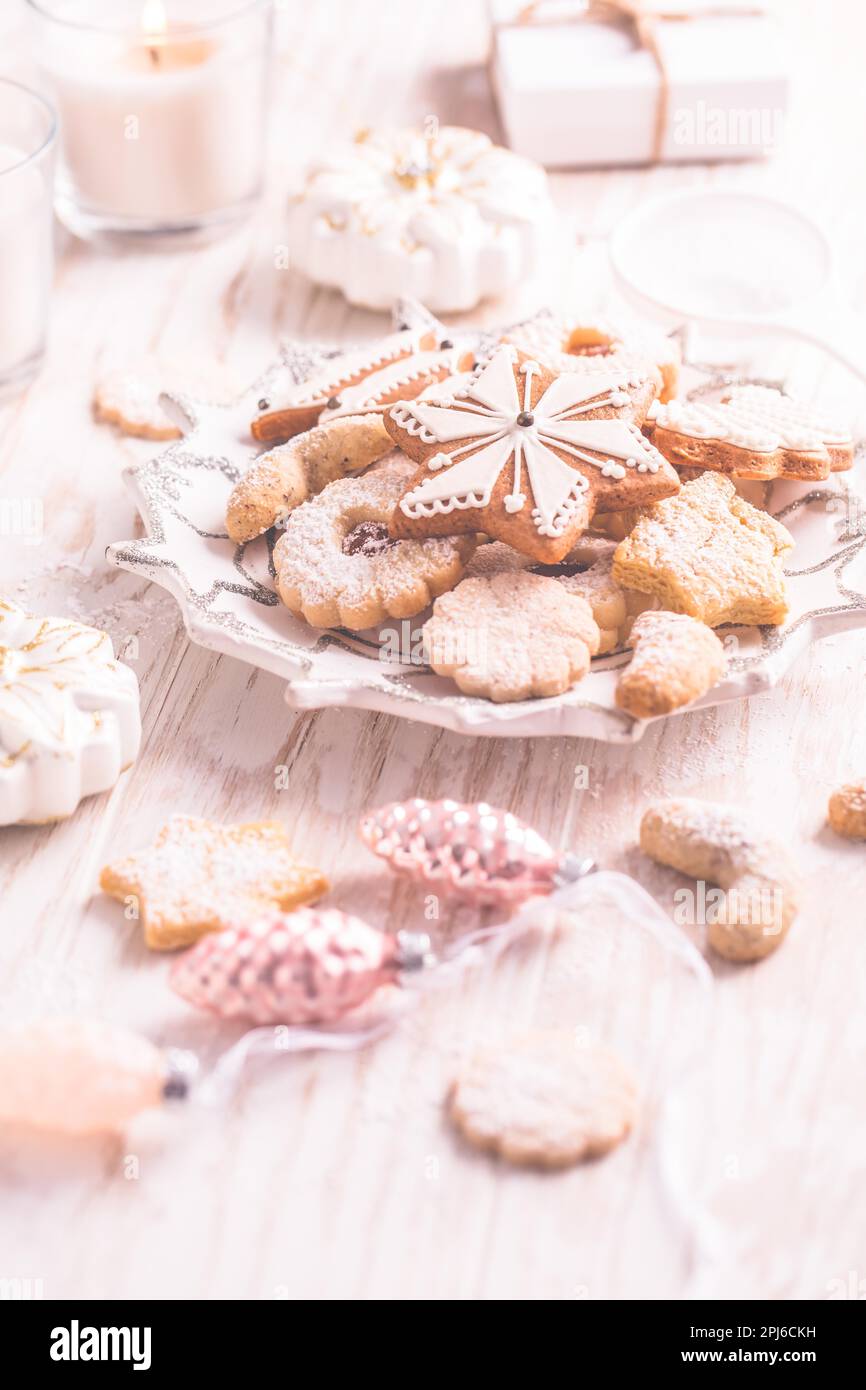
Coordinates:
[199,877]
[527,456]
[391,369]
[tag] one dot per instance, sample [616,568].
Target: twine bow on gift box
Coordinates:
[644,18]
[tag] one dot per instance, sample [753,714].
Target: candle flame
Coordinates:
[154,21]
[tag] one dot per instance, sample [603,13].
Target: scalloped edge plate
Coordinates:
[228,601]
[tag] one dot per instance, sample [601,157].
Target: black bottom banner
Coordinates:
[255,1338]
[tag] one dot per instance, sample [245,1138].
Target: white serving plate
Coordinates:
[227,597]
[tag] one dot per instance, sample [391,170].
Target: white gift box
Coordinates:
[579,91]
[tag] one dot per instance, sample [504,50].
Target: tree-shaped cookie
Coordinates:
[708,553]
[527,456]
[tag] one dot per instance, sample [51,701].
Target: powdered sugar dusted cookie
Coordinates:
[337,565]
[498,558]
[199,877]
[511,637]
[593,343]
[846,811]
[526,456]
[676,660]
[613,607]
[759,885]
[752,432]
[367,379]
[128,397]
[280,480]
[543,1099]
[69,715]
[708,553]
[586,572]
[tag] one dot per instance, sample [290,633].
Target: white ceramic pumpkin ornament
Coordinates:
[444,216]
[69,715]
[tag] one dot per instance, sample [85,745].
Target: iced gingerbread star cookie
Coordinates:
[545,1100]
[338,566]
[511,637]
[589,343]
[367,379]
[280,480]
[526,456]
[200,877]
[443,216]
[708,553]
[676,660]
[69,715]
[752,432]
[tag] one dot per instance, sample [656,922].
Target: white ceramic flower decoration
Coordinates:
[69,715]
[446,217]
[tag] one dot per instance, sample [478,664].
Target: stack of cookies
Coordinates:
[553,502]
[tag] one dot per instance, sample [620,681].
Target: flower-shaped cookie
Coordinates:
[511,636]
[199,876]
[544,1099]
[443,216]
[69,715]
[526,456]
[584,571]
[708,553]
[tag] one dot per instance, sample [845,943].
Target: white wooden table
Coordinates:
[336,1176]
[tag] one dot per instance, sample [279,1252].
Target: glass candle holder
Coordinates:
[163,112]
[27,146]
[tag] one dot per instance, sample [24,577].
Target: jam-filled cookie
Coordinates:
[337,565]
[589,343]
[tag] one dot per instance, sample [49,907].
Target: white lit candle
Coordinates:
[162,123]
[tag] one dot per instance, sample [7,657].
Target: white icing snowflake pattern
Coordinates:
[502,429]
[758,418]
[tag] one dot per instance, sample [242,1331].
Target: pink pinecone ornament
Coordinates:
[78,1076]
[484,854]
[313,965]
